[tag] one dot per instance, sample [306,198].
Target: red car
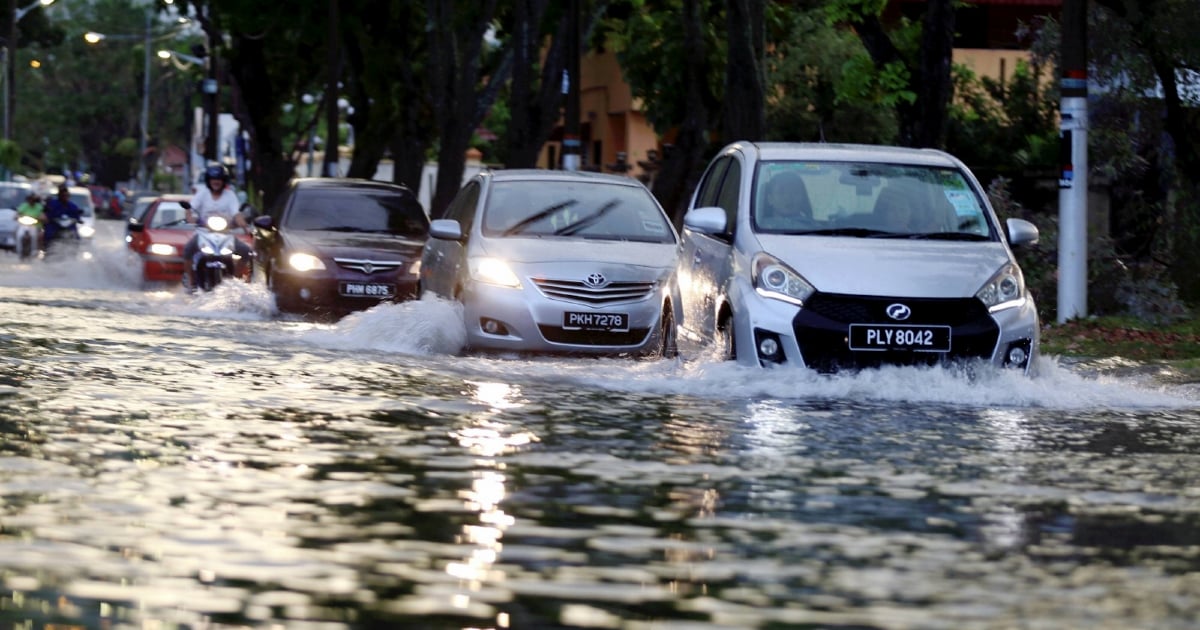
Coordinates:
[158,238]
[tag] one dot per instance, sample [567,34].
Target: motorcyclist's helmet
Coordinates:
[216,171]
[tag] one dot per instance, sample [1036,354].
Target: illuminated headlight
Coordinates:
[773,279]
[305,262]
[162,249]
[1005,289]
[207,249]
[493,271]
[216,223]
[27,220]
[86,231]
[415,268]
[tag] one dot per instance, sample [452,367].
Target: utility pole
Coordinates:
[330,165]
[1073,157]
[572,152]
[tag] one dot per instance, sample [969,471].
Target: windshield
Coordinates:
[356,210]
[170,215]
[12,196]
[590,210]
[868,200]
[84,201]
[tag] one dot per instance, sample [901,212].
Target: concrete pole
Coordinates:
[1073,178]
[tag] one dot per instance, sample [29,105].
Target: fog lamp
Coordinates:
[769,348]
[492,327]
[1018,353]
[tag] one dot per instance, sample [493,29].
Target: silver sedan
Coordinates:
[557,262]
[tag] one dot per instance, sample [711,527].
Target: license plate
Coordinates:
[367,289]
[618,322]
[888,337]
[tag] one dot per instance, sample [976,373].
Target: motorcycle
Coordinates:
[216,255]
[67,234]
[28,240]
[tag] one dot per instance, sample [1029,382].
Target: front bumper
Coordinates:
[818,335]
[524,320]
[320,291]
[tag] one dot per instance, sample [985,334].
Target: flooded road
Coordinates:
[175,461]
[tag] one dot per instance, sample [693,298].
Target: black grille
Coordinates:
[555,334]
[367,266]
[822,330]
[577,291]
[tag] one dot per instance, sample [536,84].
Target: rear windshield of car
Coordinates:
[849,197]
[589,210]
[356,211]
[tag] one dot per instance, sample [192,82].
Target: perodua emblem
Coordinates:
[595,280]
[898,312]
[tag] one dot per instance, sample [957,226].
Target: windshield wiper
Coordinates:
[846,231]
[948,236]
[584,222]
[520,226]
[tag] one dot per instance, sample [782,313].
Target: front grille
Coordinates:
[578,291]
[367,266]
[555,334]
[822,330]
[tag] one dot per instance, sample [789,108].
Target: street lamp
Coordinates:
[7,57]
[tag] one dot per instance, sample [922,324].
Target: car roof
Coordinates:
[348,182]
[848,153]
[546,175]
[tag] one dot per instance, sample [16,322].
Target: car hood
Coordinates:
[888,267]
[354,245]
[532,251]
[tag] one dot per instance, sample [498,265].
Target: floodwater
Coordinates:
[176,461]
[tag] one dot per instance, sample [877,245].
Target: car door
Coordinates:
[705,259]
[443,262]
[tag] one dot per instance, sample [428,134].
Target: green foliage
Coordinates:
[10,155]
[810,75]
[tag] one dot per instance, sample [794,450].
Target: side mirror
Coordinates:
[1022,232]
[264,222]
[446,229]
[136,226]
[186,205]
[707,220]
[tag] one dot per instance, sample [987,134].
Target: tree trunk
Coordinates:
[683,163]
[270,169]
[744,114]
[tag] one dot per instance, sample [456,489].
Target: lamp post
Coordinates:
[9,45]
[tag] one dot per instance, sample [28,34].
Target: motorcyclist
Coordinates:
[215,198]
[32,207]
[59,210]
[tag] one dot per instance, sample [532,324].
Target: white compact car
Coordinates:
[839,257]
[557,262]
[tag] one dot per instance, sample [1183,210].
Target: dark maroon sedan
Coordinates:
[332,246]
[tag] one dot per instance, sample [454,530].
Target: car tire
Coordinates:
[668,342]
[725,339]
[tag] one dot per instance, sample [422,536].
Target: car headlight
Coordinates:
[493,271]
[305,262]
[161,249]
[415,268]
[87,231]
[1005,289]
[773,279]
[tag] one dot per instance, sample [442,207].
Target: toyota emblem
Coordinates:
[899,312]
[595,280]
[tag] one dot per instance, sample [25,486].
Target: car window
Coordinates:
[864,199]
[589,210]
[710,186]
[356,211]
[730,193]
[140,205]
[12,196]
[170,215]
[84,201]
[462,207]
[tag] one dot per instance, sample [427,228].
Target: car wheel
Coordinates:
[669,344]
[726,340]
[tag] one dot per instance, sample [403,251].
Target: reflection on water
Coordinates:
[172,461]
